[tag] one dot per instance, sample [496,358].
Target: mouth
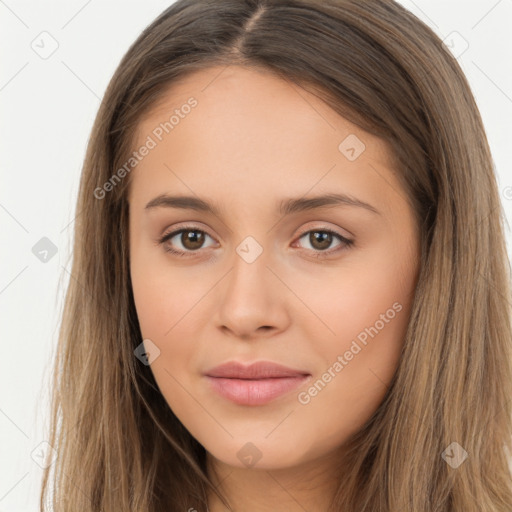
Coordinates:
[254,391]
[256,384]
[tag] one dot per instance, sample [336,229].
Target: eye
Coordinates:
[190,238]
[321,239]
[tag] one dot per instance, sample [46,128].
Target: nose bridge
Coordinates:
[249,298]
[250,250]
[249,276]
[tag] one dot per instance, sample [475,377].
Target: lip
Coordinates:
[254,384]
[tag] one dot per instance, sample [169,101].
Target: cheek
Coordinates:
[163,295]
[170,304]
[367,307]
[163,302]
[368,310]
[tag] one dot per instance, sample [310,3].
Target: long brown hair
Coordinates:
[120,447]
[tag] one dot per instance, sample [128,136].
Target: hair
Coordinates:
[119,445]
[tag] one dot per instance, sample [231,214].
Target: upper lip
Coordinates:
[257,370]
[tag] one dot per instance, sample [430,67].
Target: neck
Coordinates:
[309,486]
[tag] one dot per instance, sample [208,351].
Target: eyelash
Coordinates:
[186,254]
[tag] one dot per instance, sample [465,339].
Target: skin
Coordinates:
[253,140]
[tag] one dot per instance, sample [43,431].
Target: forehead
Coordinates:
[256,99]
[251,129]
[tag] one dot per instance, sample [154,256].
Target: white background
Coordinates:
[48,107]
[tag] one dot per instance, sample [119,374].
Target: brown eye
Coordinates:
[320,240]
[189,240]
[185,241]
[192,239]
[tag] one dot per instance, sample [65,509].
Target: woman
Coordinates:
[290,279]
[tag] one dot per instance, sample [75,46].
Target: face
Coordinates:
[264,269]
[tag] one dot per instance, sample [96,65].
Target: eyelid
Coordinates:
[182,227]
[334,231]
[179,227]
[341,232]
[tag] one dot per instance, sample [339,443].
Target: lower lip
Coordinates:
[255,392]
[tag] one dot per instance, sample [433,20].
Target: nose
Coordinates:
[252,300]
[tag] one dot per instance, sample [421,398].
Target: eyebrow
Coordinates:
[286,206]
